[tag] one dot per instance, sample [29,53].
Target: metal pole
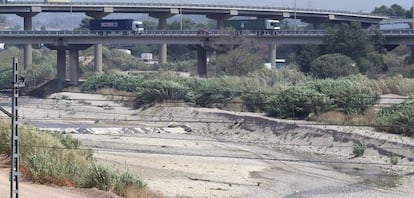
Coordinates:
[14,144]
[295,15]
[412,8]
[181,15]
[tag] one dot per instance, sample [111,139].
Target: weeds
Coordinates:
[358,149]
[60,159]
[394,160]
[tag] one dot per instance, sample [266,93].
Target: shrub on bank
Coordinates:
[158,90]
[348,97]
[397,119]
[59,159]
[112,80]
[298,102]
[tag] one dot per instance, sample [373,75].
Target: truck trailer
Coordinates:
[57,1]
[253,24]
[109,26]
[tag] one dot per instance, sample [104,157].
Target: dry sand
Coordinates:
[230,154]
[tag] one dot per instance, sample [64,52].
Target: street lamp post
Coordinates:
[181,15]
[295,15]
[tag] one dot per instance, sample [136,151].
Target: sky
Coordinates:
[346,5]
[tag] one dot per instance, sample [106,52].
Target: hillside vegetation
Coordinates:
[54,158]
[281,93]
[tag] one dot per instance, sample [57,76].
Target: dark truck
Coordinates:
[117,26]
[259,25]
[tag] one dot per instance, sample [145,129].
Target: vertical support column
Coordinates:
[220,23]
[74,65]
[98,58]
[28,59]
[272,54]
[162,24]
[61,68]
[219,19]
[14,140]
[202,61]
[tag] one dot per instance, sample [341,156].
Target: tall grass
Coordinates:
[277,92]
[60,159]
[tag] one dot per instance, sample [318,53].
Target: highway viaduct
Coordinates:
[163,11]
[73,41]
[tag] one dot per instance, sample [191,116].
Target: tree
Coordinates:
[149,25]
[378,41]
[394,11]
[333,66]
[240,60]
[348,39]
[84,25]
[398,11]
[410,59]
[3,19]
[305,54]
[383,10]
[185,24]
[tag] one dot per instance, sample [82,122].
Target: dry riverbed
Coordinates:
[186,151]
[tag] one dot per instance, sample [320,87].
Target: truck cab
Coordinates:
[138,27]
[272,24]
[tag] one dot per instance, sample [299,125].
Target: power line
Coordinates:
[228,141]
[143,151]
[193,119]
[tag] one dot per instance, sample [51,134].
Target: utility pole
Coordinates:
[295,16]
[181,15]
[14,139]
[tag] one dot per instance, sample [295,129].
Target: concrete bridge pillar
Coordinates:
[162,25]
[219,19]
[27,53]
[272,54]
[74,65]
[27,25]
[202,61]
[61,68]
[98,58]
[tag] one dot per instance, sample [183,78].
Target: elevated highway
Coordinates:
[186,37]
[73,41]
[163,11]
[96,9]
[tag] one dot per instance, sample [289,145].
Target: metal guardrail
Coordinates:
[200,6]
[187,33]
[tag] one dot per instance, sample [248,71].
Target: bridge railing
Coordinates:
[188,33]
[186,5]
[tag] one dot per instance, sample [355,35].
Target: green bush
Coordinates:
[120,60]
[358,149]
[333,66]
[112,80]
[394,160]
[101,177]
[397,119]
[42,69]
[44,167]
[182,66]
[59,159]
[213,93]
[298,102]
[126,181]
[68,141]
[151,91]
[255,102]
[347,95]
